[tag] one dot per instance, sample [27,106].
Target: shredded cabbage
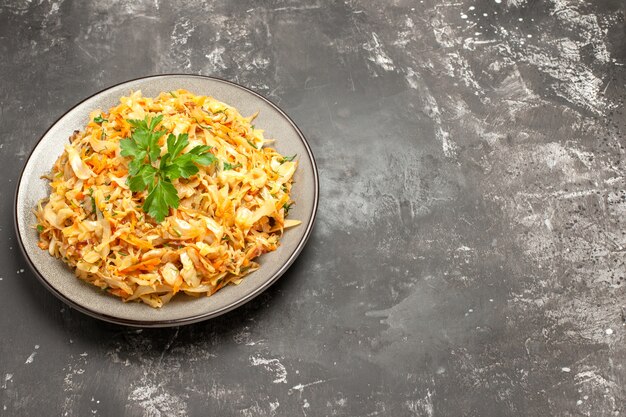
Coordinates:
[230,213]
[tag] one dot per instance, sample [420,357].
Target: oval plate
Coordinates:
[62,282]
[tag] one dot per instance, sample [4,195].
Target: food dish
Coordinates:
[81,296]
[173,194]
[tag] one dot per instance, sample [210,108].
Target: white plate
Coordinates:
[62,282]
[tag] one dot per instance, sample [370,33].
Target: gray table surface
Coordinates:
[469,254]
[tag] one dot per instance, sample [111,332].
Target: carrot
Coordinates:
[135,241]
[147,266]
[176,286]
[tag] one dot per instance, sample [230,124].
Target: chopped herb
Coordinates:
[252,127]
[93,200]
[228,166]
[123,253]
[251,143]
[287,207]
[288,158]
[143,147]
[177,232]
[173,95]
[225,238]
[99,119]
[39,228]
[107,198]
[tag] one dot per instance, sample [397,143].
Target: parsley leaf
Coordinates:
[130,148]
[99,119]
[145,137]
[39,228]
[143,178]
[175,145]
[143,174]
[176,166]
[161,197]
[202,156]
[288,158]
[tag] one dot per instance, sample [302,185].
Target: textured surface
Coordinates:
[469,253]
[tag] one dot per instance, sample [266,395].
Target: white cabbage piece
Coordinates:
[78,166]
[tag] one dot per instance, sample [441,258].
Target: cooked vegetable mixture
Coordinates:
[167,194]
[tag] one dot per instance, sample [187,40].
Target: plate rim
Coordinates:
[198,317]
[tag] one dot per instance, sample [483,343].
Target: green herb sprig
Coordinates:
[148,170]
[229,166]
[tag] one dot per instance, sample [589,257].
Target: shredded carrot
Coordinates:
[147,265]
[135,241]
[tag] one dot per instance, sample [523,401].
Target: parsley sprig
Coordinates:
[149,170]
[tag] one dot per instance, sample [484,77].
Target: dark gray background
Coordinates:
[469,253]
